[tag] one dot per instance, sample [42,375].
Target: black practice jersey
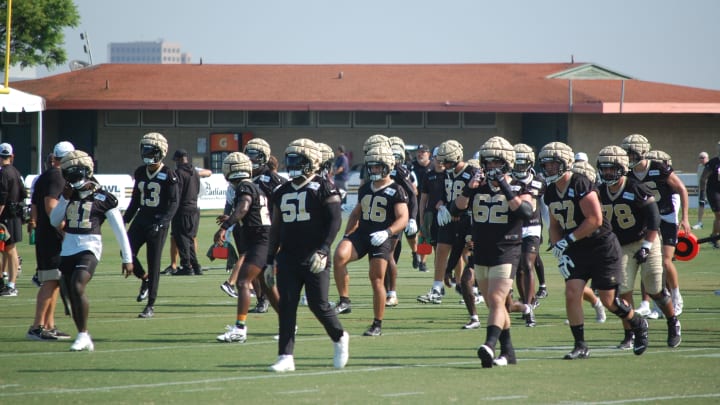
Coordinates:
[434,187]
[189,187]
[656,178]
[421,173]
[626,209]
[533,184]
[401,175]
[494,226]
[566,207]
[713,181]
[305,217]
[49,184]
[86,216]
[455,183]
[12,191]
[258,215]
[268,181]
[378,206]
[154,196]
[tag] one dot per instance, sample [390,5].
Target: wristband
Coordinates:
[345,236]
[572,237]
[505,188]
[647,244]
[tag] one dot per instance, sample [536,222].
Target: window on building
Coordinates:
[10,118]
[371,119]
[122,118]
[443,119]
[406,119]
[334,118]
[478,119]
[229,118]
[192,118]
[298,119]
[158,117]
[263,118]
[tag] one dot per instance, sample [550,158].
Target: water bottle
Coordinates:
[32,237]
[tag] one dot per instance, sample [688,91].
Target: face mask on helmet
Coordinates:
[634,158]
[77,176]
[257,158]
[552,175]
[522,168]
[374,174]
[497,163]
[297,165]
[610,173]
[151,154]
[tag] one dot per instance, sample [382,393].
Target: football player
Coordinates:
[585,246]
[498,211]
[79,213]
[664,183]
[308,205]
[404,177]
[251,218]
[372,228]
[630,207]
[342,278]
[452,228]
[524,176]
[152,206]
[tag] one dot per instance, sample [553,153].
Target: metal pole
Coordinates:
[8,31]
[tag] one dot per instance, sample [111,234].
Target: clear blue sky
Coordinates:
[666,41]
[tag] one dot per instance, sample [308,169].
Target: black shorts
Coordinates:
[48,244]
[253,245]
[668,232]
[714,200]
[361,244]
[599,260]
[84,260]
[455,231]
[15,230]
[531,244]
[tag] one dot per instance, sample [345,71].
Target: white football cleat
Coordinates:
[82,342]
[285,362]
[233,334]
[342,351]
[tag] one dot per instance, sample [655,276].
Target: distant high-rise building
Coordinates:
[159,51]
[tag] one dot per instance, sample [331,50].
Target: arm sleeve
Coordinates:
[334,220]
[58,213]
[118,228]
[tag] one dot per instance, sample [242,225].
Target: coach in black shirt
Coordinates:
[186,221]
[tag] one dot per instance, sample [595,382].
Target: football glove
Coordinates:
[494,174]
[642,255]
[318,261]
[558,249]
[443,216]
[565,265]
[379,237]
[411,228]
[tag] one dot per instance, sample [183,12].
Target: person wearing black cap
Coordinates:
[186,221]
[12,195]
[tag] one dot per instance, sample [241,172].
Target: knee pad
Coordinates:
[623,309]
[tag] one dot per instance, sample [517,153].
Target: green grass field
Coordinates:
[422,357]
